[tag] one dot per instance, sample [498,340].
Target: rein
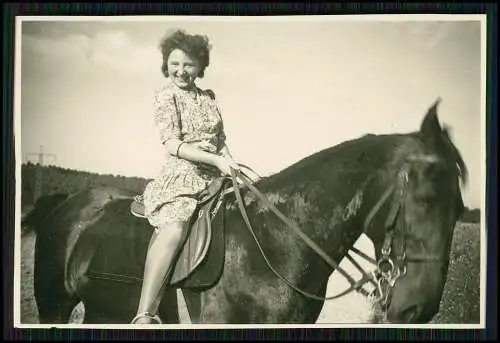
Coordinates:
[355,285]
[386,272]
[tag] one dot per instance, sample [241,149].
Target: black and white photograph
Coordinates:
[277,171]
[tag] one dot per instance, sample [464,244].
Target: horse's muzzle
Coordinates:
[412,314]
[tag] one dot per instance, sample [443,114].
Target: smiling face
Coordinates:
[182,69]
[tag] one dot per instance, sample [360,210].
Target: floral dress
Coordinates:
[172,195]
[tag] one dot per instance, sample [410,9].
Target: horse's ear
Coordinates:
[430,125]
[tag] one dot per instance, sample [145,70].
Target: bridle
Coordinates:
[388,268]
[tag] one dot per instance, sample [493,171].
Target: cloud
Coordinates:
[111,49]
[68,48]
[116,50]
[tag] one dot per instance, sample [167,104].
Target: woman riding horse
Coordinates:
[192,133]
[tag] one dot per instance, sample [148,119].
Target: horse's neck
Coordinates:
[338,225]
[329,215]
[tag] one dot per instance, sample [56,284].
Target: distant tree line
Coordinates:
[62,180]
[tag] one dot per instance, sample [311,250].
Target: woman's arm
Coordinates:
[181,149]
[167,121]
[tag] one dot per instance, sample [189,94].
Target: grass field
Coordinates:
[460,303]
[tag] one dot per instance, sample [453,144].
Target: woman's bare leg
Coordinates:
[159,258]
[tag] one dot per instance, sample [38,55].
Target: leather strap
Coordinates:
[355,285]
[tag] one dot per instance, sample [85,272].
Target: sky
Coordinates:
[287,88]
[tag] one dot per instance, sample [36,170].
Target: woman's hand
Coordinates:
[226,163]
[232,162]
[203,145]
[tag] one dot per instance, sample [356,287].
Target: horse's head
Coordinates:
[424,203]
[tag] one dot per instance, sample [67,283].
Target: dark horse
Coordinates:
[402,190]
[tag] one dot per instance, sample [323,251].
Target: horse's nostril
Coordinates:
[409,314]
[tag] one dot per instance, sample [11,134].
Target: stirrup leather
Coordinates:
[148,315]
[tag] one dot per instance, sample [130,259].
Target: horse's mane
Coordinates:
[374,150]
[366,151]
[454,155]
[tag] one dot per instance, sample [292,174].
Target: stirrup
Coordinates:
[148,315]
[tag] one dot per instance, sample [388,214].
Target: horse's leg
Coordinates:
[98,311]
[214,307]
[53,300]
[193,303]
[92,315]
[169,308]
[95,313]
[55,308]
[98,315]
[255,301]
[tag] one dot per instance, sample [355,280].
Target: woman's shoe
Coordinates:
[146,318]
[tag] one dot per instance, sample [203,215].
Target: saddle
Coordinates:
[200,238]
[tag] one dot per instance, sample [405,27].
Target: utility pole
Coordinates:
[39,173]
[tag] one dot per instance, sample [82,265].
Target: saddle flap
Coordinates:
[195,248]
[199,237]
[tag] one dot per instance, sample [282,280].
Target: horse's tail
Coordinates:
[43,206]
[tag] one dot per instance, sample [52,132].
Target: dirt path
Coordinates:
[29,313]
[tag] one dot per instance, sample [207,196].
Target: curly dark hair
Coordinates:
[196,46]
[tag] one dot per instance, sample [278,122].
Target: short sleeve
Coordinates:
[222,134]
[165,115]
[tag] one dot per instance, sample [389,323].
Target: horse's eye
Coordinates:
[422,184]
[437,173]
